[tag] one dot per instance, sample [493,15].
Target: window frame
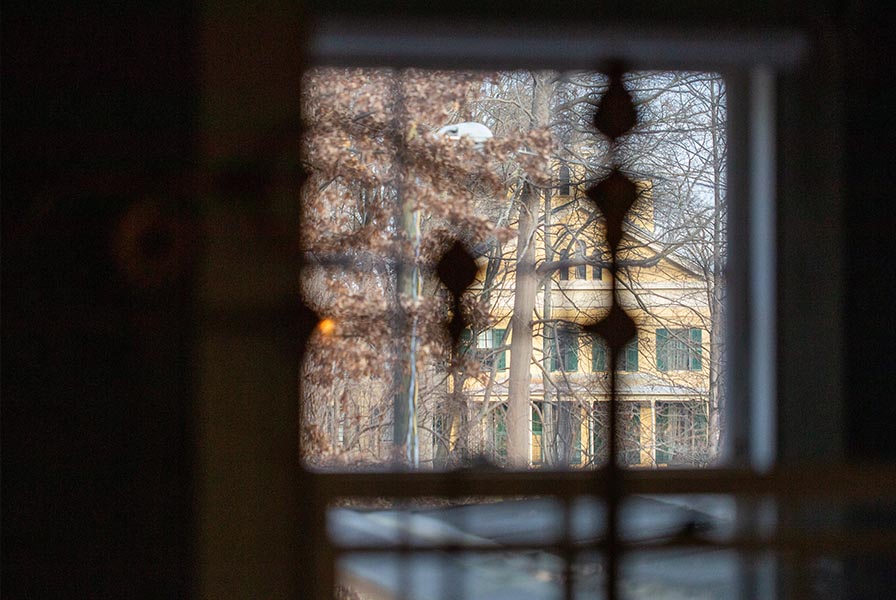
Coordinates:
[628,361]
[564,350]
[564,179]
[687,346]
[747,68]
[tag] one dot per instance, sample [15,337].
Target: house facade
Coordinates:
[663,375]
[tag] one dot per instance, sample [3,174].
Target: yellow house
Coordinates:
[663,375]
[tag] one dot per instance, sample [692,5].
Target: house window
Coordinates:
[628,359]
[568,428]
[486,346]
[441,433]
[537,435]
[563,359]
[581,269]
[629,420]
[565,350]
[499,432]
[679,349]
[563,273]
[487,343]
[596,273]
[564,181]
[681,433]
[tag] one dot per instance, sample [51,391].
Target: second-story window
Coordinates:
[564,272]
[679,349]
[565,353]
[564,187]
[600,356]
[581,269]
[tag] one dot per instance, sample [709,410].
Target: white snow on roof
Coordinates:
[475,131]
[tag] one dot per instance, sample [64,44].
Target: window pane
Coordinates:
[404,163]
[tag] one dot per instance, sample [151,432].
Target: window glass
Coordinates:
[679,349]
[564,188]
[628,358]
[565,356]
[405,164]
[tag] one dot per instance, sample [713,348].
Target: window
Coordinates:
[681,430]
[630,432]
[581,269]
[537,434]
[645,55]
[470,402]
[565,350]
[564,181]
[487,343]
[499,432]
[600,356]
[563,273]
[679,349]
[566,433]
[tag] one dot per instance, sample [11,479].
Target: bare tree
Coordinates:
[386,195]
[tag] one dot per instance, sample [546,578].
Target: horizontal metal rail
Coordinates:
[876,483]
[836,543]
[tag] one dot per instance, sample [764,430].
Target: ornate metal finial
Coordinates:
[457,270]
[616,113]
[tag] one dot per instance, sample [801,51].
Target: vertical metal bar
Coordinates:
[315,550]
[402,507]
[569,551]
[762,243]
[762,269]
[612,471]
[736,417]
[736,443]
[751,415]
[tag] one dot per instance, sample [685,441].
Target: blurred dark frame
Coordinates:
[132,463]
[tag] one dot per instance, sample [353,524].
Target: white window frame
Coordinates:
[747,60]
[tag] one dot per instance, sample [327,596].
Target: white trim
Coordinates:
[763,417]
[339,40]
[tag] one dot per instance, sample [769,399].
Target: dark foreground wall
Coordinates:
[98,116]
[102,496]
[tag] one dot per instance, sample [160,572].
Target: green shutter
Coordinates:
[696,349]
[700,425]
[598,435]
[537,440]
[632,453]
[536,421]
[501,432]
[554,350]
[631,355]
[498,341]
[572,352]
[663,456]
[598,355]
[662,349]
[466,342]
[575,457]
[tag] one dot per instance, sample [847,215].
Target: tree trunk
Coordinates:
[520,375]
[518,409]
